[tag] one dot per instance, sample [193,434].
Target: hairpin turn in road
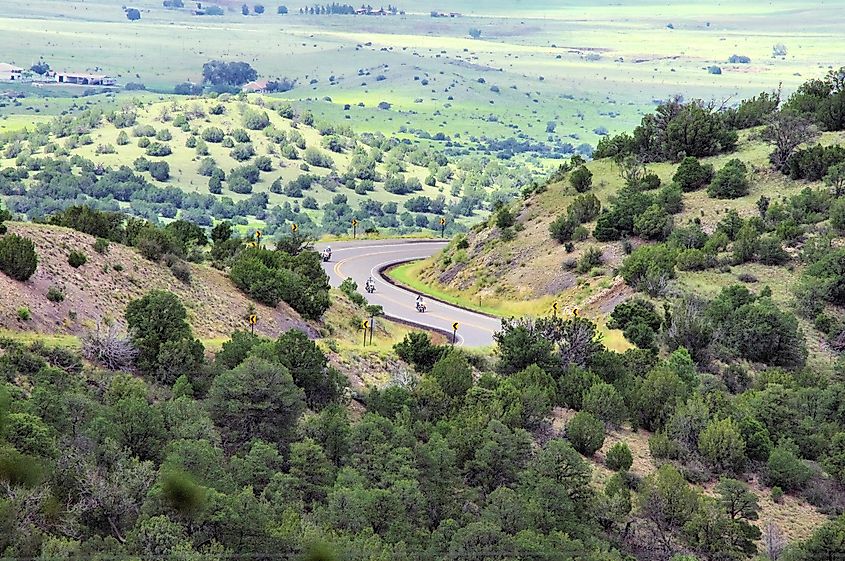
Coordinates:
[360,260]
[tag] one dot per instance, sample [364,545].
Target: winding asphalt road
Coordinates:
[359,260]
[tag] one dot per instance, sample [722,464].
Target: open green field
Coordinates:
[583,66]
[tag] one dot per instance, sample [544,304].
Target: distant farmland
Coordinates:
[555,75]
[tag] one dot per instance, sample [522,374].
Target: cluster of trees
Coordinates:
[735,394]
[737,324]
[294,276]
[291,273]
[342,9]
[634,210]
[174,243]
[675,130]
[162,463]
[706,425]
[821,101]
[816,163]
[638,212]
[55,186]
[220,452]
[223,73]
[735,240]
[568,226]
[48,177]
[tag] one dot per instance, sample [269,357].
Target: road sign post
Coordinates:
[253,319]
[294,228]
[365,325]
[258,235]
[554,309]
[442,226]
[372,328]
[454,333]
[354,228]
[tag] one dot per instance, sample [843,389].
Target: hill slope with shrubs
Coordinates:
[63,299]
[712,238]
[256,161]
[755,209]
[717,434]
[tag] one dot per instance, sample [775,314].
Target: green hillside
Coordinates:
[662,244]
[292,169]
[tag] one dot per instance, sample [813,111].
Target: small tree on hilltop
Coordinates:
[586,433]
[581,179]
[786,131]
[730,182]
[505,218]
[160,331]
[18,258]
[619,457]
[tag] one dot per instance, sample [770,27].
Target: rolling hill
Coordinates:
[531,271]
[292,169]
[99,290]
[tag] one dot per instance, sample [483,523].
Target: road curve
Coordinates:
[359,260]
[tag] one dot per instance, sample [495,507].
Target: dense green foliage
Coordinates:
[822,101]
[47,172]
[234,462]
[674,131]
[18,258]
[255,452]
[160,332]
[585,208]
[271,277]
[581,179]
[691,175]
[730,182]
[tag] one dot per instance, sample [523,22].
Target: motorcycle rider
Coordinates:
[370,284]
[327,253]
[420,304]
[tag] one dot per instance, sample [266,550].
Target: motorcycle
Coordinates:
[326,256]
[370,287]
[420,307]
